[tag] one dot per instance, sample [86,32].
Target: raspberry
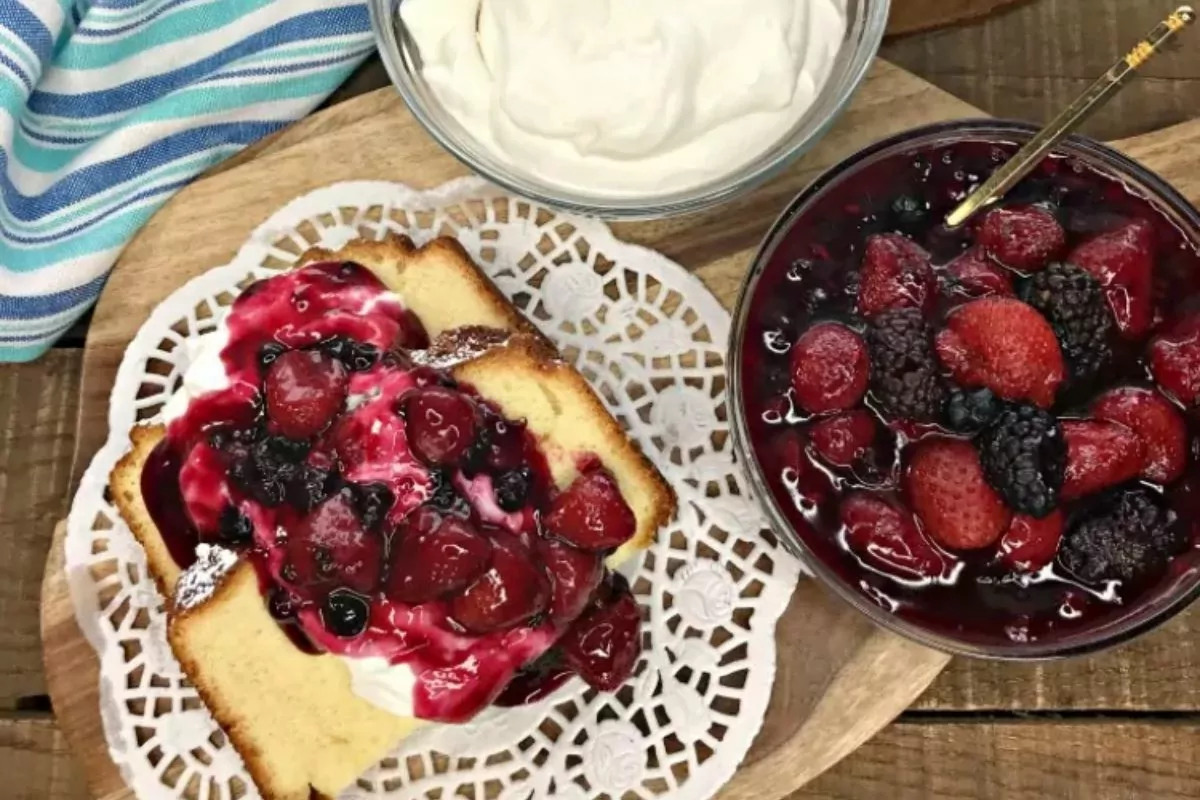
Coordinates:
[829,368]
[1024,455]
[1156,421]
[896,273]
[950,496]
[1127,538]
[904,371]
[1100,454]
[1024,239]
[1004,345]
[1074,304]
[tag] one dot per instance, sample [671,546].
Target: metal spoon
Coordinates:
[1093,98]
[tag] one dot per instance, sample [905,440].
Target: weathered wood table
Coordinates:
[1121,725]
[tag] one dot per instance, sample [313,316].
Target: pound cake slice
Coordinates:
[391,568]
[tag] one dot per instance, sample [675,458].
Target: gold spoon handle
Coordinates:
[1094,97]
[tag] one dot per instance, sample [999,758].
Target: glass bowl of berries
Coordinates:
[986,438]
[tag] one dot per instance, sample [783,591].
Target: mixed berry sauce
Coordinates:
[390,511]
[989,431]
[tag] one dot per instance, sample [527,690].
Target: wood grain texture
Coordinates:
[1100,760]
[910,16]
[38,406]
[35,763]
[1029,62]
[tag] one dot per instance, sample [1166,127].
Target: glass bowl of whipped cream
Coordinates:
[628,108]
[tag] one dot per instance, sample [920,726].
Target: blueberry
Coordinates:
[268,353]
[512,488]
[970,411]
[345,614]
[355,356]
[372,501]
[909,212]
[281,604]
[234,527]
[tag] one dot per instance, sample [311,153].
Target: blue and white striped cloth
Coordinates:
[108,107]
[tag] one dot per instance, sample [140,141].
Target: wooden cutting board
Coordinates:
[910,16]
[839,678]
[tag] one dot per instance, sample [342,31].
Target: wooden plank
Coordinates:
[35,763]
[38,409]
[1028,63]
[909,16]
[1100,760]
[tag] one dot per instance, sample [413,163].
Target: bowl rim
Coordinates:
[716,192]
[1112,634]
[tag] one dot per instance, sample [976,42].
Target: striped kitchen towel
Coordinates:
[108,107]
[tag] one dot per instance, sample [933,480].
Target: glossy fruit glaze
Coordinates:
[390,511]
[1013,590]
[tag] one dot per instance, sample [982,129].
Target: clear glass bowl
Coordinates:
[1173,592]
[867,22]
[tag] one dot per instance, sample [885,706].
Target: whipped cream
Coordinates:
[627,97]
[204,373]
[382,684]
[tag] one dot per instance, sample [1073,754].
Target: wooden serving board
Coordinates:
[839,679]
[910,16]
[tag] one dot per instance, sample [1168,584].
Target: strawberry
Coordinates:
[1030,544]
[1156,421]
[1175,360]
[1123,262]
[1004,345]
[844,439]
[896,273]
[574,575]
[830,369]
[512,591]
[432,557]
[787,459]
[1100,454]
[331,546]
[1025,239]
[603,645]
[441,424]
[886,537]
[591,513]
[976,275]
[951,496]
[304,391]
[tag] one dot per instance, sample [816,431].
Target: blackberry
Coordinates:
[234,527]
[1073,302]
[273,464]
[281,604]
[969,411]
[1024,457]
[310,486]
[1128,537]
[512,488]
[904,371]
[345,614]
[442,495]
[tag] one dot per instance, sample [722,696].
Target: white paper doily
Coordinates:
[651,339]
